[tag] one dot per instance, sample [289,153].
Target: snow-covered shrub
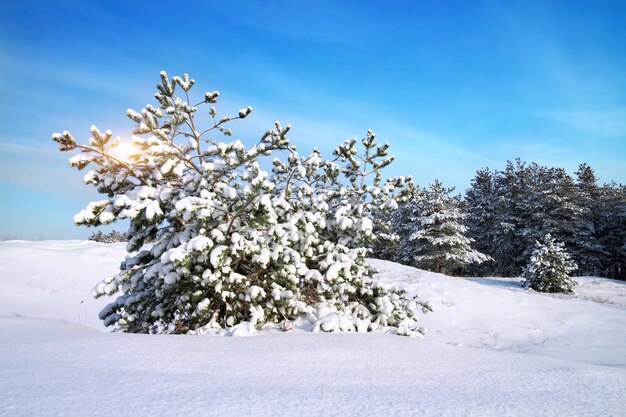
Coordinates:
[549,268]
[218,242]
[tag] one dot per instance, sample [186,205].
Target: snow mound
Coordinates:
[53,279]
[498,314]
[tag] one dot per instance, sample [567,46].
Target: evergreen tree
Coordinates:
[438,240]
[549,268]
[591,260]
[512,223]
[521,204]
[500,206]
[402,222]
[577,225]
[481,206]
[611,229]
[231,245]
[563,209]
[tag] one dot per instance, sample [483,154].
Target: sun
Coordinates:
[124,151]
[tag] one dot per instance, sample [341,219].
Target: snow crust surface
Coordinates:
[493,349]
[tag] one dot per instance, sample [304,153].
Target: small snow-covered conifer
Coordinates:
[217,242]
[438,241]
[549,267]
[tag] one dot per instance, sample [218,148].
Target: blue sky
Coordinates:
[453,86]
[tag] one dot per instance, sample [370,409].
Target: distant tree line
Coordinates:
[111,237]
[494,228]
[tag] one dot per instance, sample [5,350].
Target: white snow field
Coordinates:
[493,349]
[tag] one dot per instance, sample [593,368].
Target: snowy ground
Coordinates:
[492,349]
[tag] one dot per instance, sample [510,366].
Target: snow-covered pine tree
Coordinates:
[522,215]
[402,226]
[480,204]
[438,241]
[509,210]
[561,211]
[611,212]
[509,227]
[549,268]
[216,242]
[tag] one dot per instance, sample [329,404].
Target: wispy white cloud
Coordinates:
[9,147]
[18,148]
[72,75]
[327,21]
[606,122]
[566,77]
